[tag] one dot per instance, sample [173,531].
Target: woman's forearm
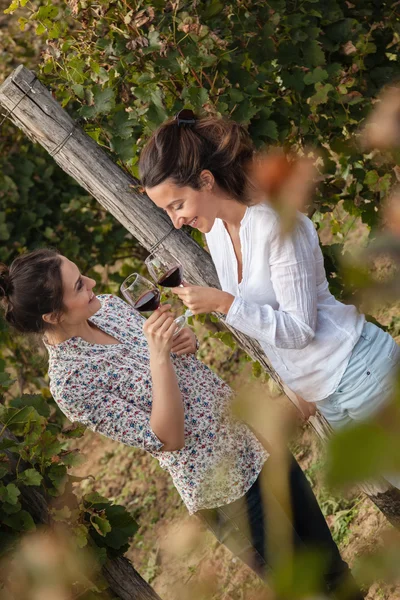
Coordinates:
[167,415]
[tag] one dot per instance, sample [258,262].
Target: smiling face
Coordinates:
[79,301]
[185,205]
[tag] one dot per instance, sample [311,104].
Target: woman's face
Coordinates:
[79,300]
[185,205]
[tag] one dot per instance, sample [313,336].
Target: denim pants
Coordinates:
[368,381]
[243,527]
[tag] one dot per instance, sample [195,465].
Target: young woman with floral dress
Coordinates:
[131,380]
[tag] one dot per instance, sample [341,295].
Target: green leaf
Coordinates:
[12,7]
[4,232]
[79,90]
[35,401]
[49,444]
[95,499]
[236,95]
[156,116]
[6,444]
[196,96]
[288,54]
[244,112]
[11,509]
[73,458]
[40,29]
[9,493]
[30,477]
[313,54]
[101,525]
[198,237]
[226,338]
[103,102]
[256,369]
[54,32]
[123,526]
[371,179]
[57,474]
[213,7]
[293,80]
[21,521]
[48,11]
[126,149]
[4,470]
[315,76]
[19,416]
[122,124]
[321,96]
[80,534]
[267,128]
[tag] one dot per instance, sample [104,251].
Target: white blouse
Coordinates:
[284,301]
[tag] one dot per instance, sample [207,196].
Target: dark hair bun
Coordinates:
[6,286]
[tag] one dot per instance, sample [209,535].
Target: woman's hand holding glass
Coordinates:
[160,329]
[184,342]
[204,299]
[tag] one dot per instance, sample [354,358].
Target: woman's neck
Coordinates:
[231,212]
[84,330]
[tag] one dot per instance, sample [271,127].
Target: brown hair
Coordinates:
[30,288]
[182,152]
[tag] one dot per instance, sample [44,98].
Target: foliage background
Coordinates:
[297,73]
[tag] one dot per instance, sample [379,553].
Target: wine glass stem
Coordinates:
[188,312]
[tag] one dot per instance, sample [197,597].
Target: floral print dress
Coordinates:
[108,388]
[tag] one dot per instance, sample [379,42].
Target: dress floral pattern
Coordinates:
[109,389]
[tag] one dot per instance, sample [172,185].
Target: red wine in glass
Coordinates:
[145,296]
[149,301]
[141,293]
[173,277]
[167,271]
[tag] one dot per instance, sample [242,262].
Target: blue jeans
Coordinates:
[243,526]
[368,382]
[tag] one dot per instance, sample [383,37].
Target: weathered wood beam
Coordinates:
[32,108]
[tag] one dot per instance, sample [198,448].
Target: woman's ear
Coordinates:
[51,318]
[207,179]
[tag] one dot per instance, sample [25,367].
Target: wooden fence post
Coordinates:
[32,108]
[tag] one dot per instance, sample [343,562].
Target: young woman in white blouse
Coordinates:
[274,287]
[133,381]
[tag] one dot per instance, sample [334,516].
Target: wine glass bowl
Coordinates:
[144,296]
[167,271]
[141,293]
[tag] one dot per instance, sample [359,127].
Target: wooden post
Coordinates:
[31,107]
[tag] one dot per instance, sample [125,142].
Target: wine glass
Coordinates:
[167,271]
[143,295]
[140,293]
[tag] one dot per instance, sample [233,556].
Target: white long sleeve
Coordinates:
[284,302]
[292,271]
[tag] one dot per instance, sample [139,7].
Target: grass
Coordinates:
[338,510]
